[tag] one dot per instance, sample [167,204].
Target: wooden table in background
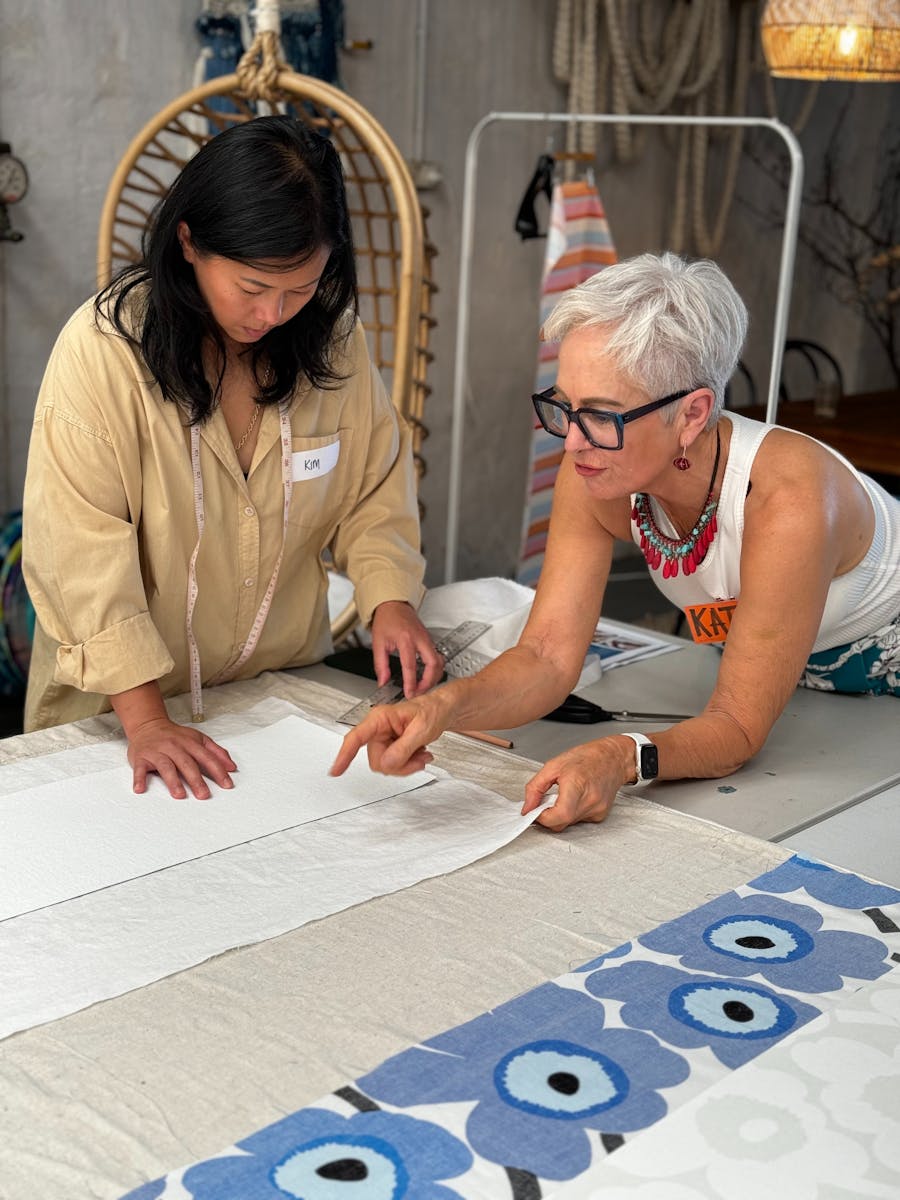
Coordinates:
[866,428]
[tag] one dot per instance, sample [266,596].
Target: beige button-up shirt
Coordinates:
[110,525]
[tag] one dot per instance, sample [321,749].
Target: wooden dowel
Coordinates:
[490,738]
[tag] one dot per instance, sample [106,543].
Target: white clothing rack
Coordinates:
[460,370]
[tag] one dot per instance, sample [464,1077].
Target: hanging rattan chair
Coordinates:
[392,255]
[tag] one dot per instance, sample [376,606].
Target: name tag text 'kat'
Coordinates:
[710,622]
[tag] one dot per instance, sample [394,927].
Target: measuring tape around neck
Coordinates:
[230,670]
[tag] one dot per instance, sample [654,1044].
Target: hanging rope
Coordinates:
[259,67]
[709,240]
[650,60]
[693,15]
[587,82]
[562,42]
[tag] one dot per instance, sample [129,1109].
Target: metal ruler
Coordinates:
[448,645]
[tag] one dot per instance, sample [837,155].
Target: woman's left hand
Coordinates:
[587,778]
[396,629]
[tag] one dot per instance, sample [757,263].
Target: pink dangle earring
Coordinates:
[681,463]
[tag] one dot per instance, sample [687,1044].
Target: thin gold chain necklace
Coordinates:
[257,407]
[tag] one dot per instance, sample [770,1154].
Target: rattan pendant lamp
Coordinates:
[829,39]
[392,254]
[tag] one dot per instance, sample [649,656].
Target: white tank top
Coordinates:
[858,603]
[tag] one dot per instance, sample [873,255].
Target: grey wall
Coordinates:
[78,80]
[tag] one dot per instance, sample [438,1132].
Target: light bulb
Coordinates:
[847,39]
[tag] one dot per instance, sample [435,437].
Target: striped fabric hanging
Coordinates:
[578,245]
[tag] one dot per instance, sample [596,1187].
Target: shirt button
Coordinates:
[249,511]
[249,582]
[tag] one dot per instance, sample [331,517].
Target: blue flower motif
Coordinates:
[619,952]
[764,935]
[147,1191]
[839,888]
[737,1020]
[542,1070]
[315,1154]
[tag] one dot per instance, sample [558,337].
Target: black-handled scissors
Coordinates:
[578,711]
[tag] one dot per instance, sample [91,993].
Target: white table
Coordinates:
[863,837]
[824,752]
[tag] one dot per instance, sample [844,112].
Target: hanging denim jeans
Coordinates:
[221,37]
[311,38]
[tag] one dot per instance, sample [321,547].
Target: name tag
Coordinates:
[311,464]
[710,622]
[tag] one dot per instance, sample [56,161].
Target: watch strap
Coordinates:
[646,759]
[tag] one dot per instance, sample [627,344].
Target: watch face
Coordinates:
[13,179]
[649,762]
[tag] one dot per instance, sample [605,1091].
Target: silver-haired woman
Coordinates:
[773,544]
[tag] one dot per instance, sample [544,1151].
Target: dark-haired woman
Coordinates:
[207,427]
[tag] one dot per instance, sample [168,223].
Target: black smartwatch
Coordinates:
[646,759]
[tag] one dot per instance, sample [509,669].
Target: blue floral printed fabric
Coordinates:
[536,1098]
[784,943]
[837,888]
[736,1020]
[317,1155]
[534,1092]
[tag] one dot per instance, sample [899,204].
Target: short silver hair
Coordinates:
[673,324]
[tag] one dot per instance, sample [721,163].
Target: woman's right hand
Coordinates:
[181,755]
[395,737]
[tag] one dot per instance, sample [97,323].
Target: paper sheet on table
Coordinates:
[108,942]
[65,838]
[616,644]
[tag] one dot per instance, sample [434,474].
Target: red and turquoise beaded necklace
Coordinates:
[687,552]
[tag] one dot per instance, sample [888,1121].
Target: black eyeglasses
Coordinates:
[604,430]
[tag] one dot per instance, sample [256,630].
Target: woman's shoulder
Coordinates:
[794,471]
[91,365]
[358,380]
[350,344]
[787,447]
[121,308]
[104,317]
[777,448]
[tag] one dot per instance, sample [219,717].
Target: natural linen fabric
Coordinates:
[110,525]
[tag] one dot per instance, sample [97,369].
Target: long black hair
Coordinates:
[270,191]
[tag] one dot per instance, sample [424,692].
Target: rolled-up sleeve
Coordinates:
[116,659]
[81,559]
